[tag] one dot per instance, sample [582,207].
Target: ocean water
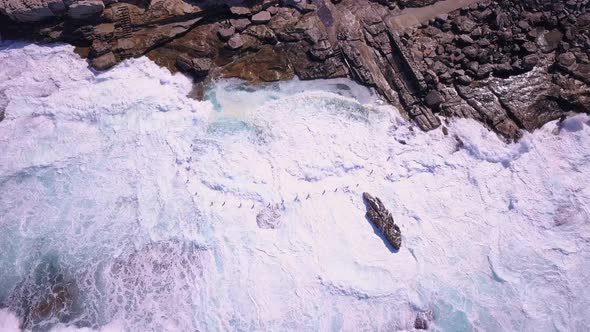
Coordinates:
[126,206]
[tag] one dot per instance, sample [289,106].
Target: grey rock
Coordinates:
[566,60]
[235,42]
[226,33]
[32,10]
[382,218]
[240,24]
[549,41]
[433,99]
[85,9]
[269,218]
[240,11]
[261,17]
[464,40]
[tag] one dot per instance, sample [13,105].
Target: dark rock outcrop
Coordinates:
[382,218]
[435,60]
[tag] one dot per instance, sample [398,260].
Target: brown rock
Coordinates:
[104,61]
[267,65]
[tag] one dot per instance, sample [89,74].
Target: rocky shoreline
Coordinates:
[511,66]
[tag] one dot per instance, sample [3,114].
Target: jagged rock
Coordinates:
[3,104]
[269,217]
[381,217]
[422,319]
[85,9]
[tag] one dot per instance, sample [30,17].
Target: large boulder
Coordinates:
[32,10]
[383,220]
[86,9]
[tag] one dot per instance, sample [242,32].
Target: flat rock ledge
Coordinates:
[382,218]
[512,66]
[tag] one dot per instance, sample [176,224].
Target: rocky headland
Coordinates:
[511,65]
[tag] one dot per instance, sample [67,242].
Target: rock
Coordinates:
[422,319]
[99,48]
[483,42]
[85,9]
[184,63]
[433,99]
[420,323]
[464,24]
[549,41]
[503,69]
[3,104]
[529,47]
[464,80]
[269,217]
[201,66]
[226,33]
[262,33]
[471,52]
[240,24]
[105,31]
[464,40]
[104,61]
[261,17]
[383,220]
[530,61]
[502,20]
[240,11]
[267,65]
[32,10]
[235,42]
[566,60]
[484,71]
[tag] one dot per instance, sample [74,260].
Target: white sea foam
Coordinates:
[145,203]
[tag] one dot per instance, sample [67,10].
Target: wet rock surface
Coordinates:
[381,217]
[510,65]
[466,62]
